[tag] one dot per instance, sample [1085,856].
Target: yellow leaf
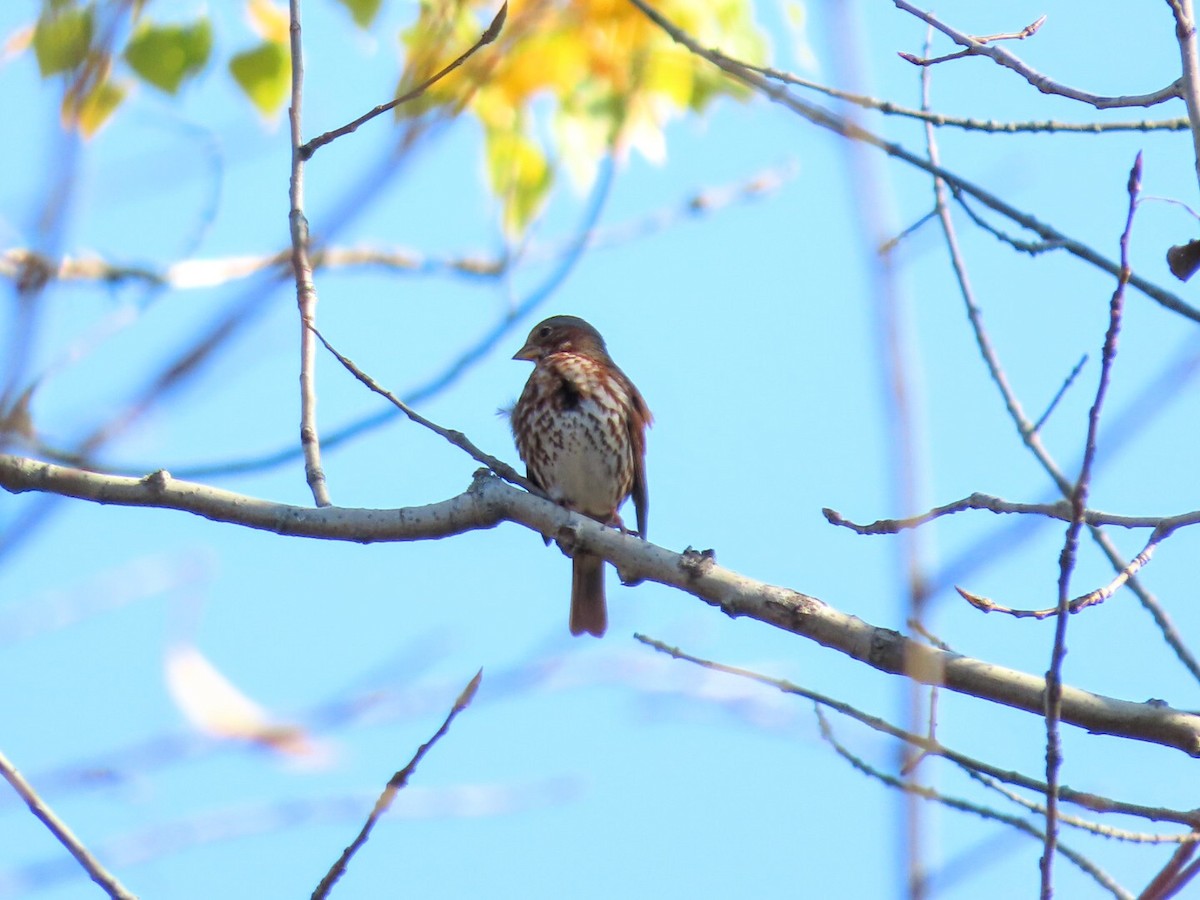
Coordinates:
[272,22]
[90,112]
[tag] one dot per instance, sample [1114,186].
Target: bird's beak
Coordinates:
[528,352]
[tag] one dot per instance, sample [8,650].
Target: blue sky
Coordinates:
[587,768]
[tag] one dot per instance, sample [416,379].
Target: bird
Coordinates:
[580,428]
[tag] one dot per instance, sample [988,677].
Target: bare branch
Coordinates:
[1174,875]
[1189,85]
[490,501]
[457,438]
[63,833]
[839,125]
[1028,31]
[394,786]
[977,47]
[940,120]
[1060,510]
[927,793]
[1078,499]
[1060,393]
[1093,802]
[306,290]
[489,35]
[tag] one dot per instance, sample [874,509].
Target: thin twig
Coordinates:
[306,291]
[467,360]
[1028,31]
[63,833]
[395,784]
[1078,498]
[927,793]
[457,438]
[1092,598]
[974,46]
[1061,392]
[489,35]
[1093,802]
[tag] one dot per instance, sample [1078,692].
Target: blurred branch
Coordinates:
[394,786]
[1174,875]
[165,838]
[190,274]
[475,353]
[306,290]
[979,47]
[490,501]
[63,833]
[489,35]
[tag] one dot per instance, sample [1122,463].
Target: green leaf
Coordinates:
[165,55]
[362,11]
[62,37]
[264,74]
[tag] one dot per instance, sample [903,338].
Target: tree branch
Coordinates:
[489,501]
[1045,84]
[306,290]
[63,833]
[840,125]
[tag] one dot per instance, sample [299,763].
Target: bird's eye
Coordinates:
[544,332]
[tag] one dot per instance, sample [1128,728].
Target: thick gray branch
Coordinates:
[490,501]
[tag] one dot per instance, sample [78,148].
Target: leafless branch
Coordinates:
[1078,499]
[1093,802]
[489,35]
[839,125]
[490,501]
[1060,511]
[925,61]
[1174,875]
[63,833]
[940,120]
[977,47]
[1060,393]
[394,786]
[911,787]
[306,290]
[1092,598]
[457,438]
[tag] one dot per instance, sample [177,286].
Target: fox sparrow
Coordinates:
[580,427]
